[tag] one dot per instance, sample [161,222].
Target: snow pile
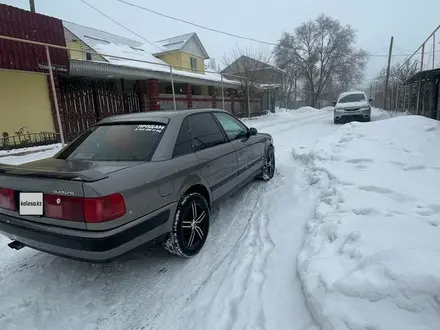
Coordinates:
[379,114]
[371,258]
[32,156]
[28,150]
[306,109]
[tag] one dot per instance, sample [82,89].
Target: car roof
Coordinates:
[350,93]
[155,116]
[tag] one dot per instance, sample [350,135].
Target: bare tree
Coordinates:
[399,73]
[212,65]
[322,50]
[248,66]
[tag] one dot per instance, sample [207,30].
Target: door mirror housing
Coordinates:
[253,131]
[370,100]
[334,103]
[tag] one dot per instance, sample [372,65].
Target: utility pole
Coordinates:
[385,93]
[248,99]
[32,5]
[295,105]
[371,91]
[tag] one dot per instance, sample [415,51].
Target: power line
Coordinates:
[200,26]
[228,33]
[129,30]
[138,35]
[196,25]
[121,25]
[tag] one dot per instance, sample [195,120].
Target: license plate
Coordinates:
[31,203]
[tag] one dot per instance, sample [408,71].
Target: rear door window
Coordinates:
[183,143]
[122,142]
[205,131]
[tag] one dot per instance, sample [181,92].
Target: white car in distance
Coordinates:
[352,106]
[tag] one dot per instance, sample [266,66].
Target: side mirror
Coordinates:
[370,100]
[253,131]
[334,103]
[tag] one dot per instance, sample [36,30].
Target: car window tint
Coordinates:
[204,131]
[352,98]
[183,143]
[233,128]
[122,142]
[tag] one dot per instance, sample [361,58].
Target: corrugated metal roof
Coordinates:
[23,24]
[92,36]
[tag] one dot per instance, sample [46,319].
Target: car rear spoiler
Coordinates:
[86,175]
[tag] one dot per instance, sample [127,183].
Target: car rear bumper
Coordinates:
[86,245]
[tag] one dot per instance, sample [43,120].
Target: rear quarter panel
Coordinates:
[147,187]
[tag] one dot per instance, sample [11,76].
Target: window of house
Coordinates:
[193,63]
[88,56]
[183,143]
[205,131]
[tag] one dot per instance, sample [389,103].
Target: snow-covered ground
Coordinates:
[23,155]
[352,204]
[247,267]
[371,258]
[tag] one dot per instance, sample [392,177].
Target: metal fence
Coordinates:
[28,140]
[414,86]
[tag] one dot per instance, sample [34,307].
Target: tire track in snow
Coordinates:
[196,278]
[242,275]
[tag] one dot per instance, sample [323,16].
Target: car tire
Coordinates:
[367,120]
[335,121]
[190,226]
[268,170]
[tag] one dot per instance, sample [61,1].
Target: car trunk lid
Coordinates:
[59,181]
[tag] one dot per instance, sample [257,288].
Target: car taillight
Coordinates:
[101,209]
[64,207]
[88,209]
[7,199]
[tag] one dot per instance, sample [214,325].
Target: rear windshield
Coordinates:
[133,142]
[352,98]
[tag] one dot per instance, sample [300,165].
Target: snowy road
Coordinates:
[244,278]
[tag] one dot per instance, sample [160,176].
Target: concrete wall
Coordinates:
[24,101]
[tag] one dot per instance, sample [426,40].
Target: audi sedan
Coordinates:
[130,180]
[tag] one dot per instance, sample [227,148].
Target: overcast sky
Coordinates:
[409,21]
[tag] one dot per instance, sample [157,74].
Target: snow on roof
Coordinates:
[174,43]
[269,86]
[110,44]
[93,36]
[351,92]
[156,65]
